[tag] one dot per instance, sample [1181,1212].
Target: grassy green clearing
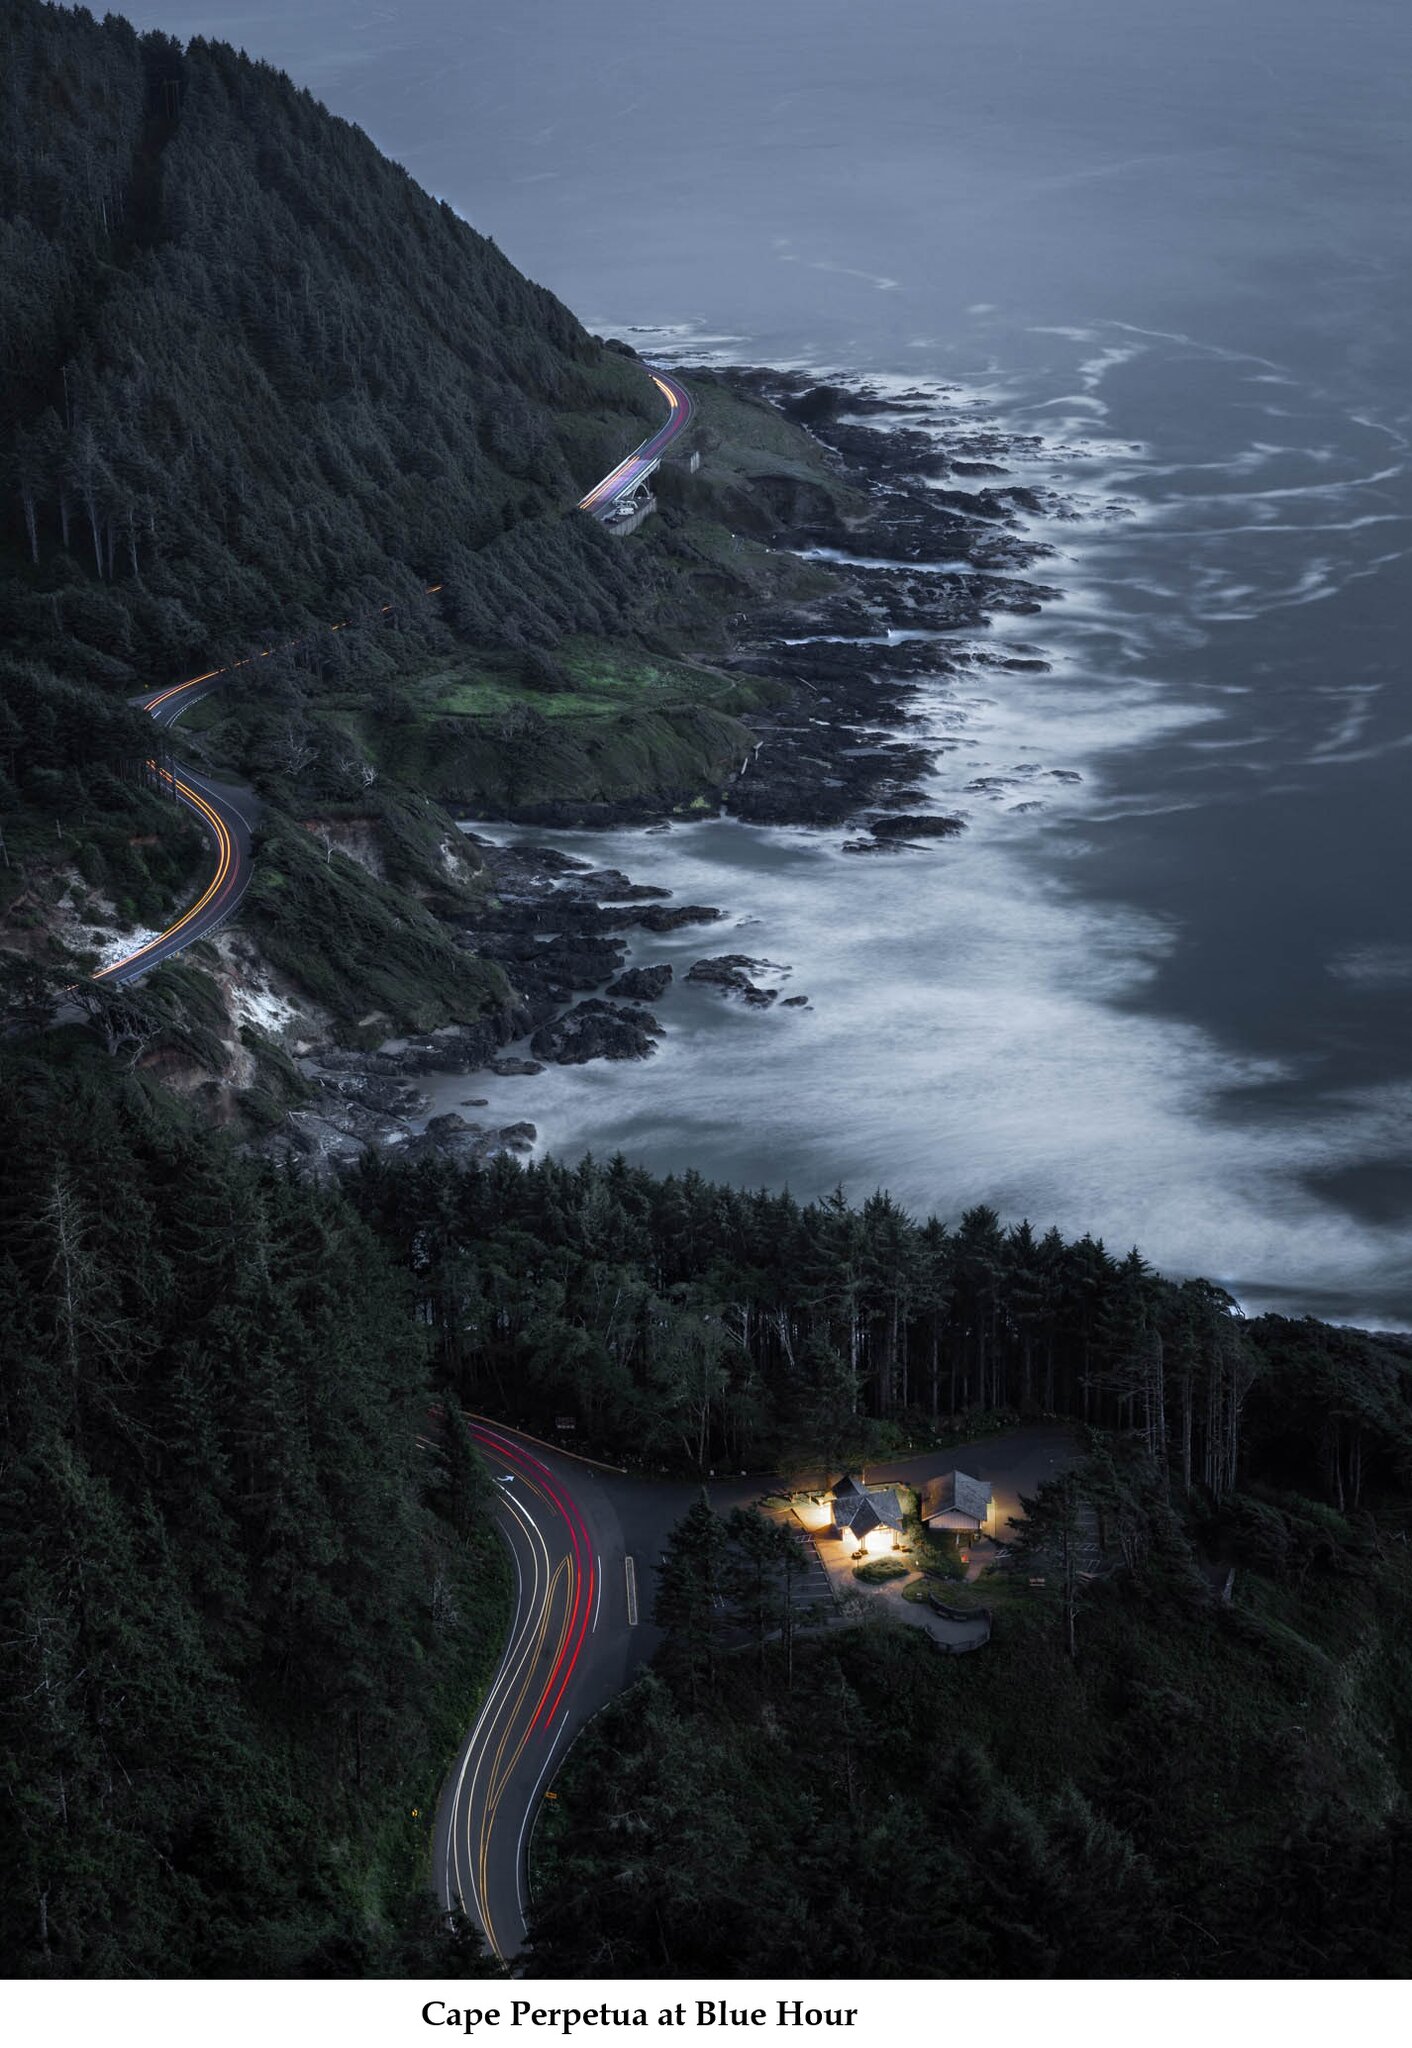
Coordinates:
[747,438]
[606,678]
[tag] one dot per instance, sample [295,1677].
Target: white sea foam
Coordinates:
[982,1025]
[967,1039]
[1374,967]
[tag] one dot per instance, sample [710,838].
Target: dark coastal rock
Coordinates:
[574,814]
[458,1054]
[448,1126]
[935,548]
[672,920]
[925,566]
[943,547]
[611,885]
[454,1049]
[596,1030]
[518,1137]
[905,826]
[731,973]
[330,1137]
[558,915]
[533,861]
[381,1093]
[451,1137]
[641,984]
[536,873]
[552,965]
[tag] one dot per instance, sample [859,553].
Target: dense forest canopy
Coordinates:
[696,1325]
[253,366]
[256,381]
[1204,1789]
[245,1612]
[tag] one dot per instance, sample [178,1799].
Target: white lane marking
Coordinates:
[598,1603]
[630,1572]
[516,1657]
[210,790]
[454,1888]
[523,1617]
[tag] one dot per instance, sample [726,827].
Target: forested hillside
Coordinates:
[257,382]
[246,1614]
[252,368]
[1201,1789]
[261,386]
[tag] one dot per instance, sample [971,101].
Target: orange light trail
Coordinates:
[225,861]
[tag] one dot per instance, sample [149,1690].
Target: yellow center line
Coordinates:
[225,851]
[522,1657]
[501,1772]
[520,1648]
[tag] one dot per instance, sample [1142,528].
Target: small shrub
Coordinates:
[878,1569]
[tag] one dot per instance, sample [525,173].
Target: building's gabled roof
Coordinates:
[956,1494]
[846,1489]
[877,1508]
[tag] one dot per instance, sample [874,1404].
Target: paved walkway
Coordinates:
[957,1635]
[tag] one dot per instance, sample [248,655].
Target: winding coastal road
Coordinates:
[585,1541]
[224,816]
[223,812]
[634,469]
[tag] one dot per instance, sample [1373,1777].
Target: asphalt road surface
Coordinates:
[585,1542]
[223,813]
[634,468]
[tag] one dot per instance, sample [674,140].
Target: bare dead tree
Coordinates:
[296,749]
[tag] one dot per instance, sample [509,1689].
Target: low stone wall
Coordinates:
[977,1619]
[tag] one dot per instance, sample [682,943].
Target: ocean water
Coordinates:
[1168,1001]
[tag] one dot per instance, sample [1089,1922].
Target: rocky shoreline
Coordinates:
[925,566]
[929,562]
